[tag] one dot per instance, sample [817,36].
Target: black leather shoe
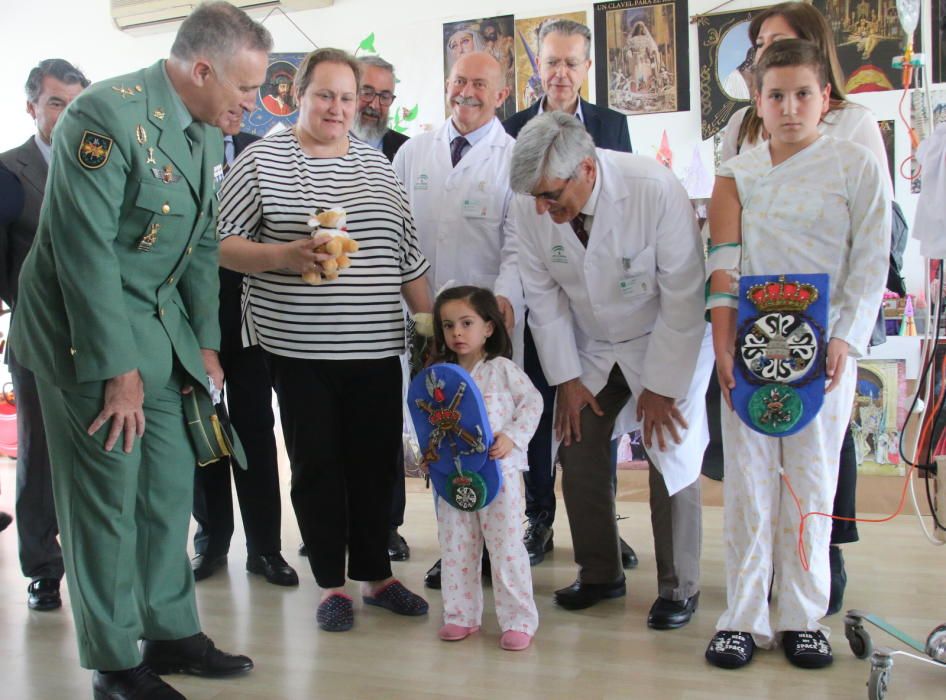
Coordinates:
[538,541]
[303,552]
[583,595]
[5,520]
[432,577]
[195,655]
[132,684]
[397,547]
[628,556]
[44,594]
[671,614]
[276,570]
[205,566]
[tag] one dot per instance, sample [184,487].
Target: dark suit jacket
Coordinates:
[391,142]
[608,128]
[28,165]
[231,283]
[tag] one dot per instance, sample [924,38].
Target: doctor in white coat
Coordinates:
[611,264]
[457,182]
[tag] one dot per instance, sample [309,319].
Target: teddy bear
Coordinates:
[332,222]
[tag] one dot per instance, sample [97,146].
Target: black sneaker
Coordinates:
[538,541]
[729,649]
[807,649]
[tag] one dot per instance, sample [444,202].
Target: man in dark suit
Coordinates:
[564,60]
[249,396]
[11,205]
[50,87]
[371,126]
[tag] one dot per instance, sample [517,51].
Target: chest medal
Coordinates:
[780,351]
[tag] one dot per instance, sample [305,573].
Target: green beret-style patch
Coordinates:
[94,149]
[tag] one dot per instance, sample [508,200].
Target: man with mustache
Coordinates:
[457,181]
[375,98]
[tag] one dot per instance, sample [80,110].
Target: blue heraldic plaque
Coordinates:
[452,427]
[781,349]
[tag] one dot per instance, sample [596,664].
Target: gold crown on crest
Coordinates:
[782,295]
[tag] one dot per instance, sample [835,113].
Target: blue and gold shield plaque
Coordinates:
[780,351]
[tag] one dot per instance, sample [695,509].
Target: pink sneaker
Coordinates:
[515,641]
[454,633]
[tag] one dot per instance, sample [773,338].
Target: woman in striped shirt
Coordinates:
[333,349]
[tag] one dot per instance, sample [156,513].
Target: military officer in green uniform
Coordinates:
[117,315]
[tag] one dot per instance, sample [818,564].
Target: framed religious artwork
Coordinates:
[868,35]
[726,56]
[642,54]
[528,83]
[492,34]
[878,416]
[276,107]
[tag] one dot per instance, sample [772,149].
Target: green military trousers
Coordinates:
[123,520]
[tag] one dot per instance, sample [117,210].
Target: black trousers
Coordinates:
[843,531]
[249,396]
[342,423]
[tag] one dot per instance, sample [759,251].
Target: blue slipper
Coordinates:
[396,598]
[336,613]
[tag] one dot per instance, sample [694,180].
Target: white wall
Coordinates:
[407,34]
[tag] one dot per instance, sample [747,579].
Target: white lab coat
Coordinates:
[462,214]
[634,297]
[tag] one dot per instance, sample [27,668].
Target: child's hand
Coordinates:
[837,356]
[424,467]
[501,446]
[724,368]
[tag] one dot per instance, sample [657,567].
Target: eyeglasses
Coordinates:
[369,93]
[244,91]
[553,195]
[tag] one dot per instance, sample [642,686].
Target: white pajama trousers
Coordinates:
[760,519]
[461,537]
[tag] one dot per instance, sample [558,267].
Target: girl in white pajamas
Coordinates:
[799,203]
[469,331]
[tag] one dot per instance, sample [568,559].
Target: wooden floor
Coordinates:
[604,652]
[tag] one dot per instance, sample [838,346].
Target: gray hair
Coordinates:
[219,30]
[552,145]
[57,68]
[566,27]
[378,62]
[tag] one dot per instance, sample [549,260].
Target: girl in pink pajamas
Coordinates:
[469,331]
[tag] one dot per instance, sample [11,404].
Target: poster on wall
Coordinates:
[642,56]
[276,108]
[879,412]
[492,34]
[726,54]
[868,35]
[528,83]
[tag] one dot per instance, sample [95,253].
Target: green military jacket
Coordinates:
[124,264]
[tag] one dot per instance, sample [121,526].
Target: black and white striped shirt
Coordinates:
[268,196]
